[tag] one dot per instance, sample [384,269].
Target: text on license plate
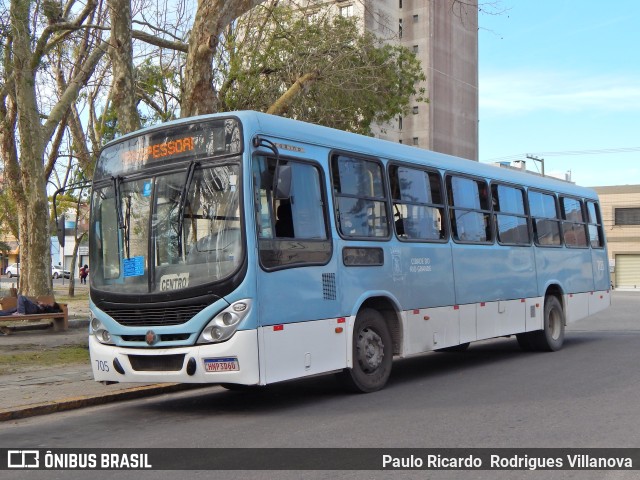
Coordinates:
[227,364]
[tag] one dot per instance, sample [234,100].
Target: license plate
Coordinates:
[229,364]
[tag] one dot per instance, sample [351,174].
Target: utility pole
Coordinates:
[537,159]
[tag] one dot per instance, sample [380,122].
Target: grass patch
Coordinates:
[50,357]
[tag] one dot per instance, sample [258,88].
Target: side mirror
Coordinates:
[283,182]
[60,229]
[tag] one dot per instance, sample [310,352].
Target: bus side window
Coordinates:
[511,218]
[574,228]
[545,219]
[595,225]
[360,197]
[417,203]
[470,210]
[301,217]
[284,222]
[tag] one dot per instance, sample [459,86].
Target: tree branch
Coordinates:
[159,42]
[281,105]
[71,93]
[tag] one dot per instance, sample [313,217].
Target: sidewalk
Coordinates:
[47,390]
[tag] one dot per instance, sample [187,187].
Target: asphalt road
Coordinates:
[493,395]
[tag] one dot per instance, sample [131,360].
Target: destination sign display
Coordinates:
[178,142]
[160,150]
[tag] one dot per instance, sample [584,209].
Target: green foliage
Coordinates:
[157,86]
[107,127]
[357,79]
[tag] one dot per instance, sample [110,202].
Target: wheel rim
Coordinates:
[370,350]
[555,324]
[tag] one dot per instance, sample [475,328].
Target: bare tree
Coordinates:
[28,128]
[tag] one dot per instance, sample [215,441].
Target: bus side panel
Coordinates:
[431,328]
[599,301]
[601,275]
[496,319]
[576,306]
[421,275]
[569,267]
[300,349]
[535,313]
[298,294]
[485,273]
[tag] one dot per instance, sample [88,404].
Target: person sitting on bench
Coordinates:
[26,306]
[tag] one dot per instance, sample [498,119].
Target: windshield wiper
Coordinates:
[183,201]
[116,188]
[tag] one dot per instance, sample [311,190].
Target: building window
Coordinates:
[415,141]
[400,4]
[346,11]
[399,123]
[400,28]
[415,110]
[627,216]
[415,49]
[400,141]
[415,19]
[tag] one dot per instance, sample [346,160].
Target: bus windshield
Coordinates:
[174,228]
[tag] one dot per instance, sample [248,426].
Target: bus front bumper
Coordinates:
[233,361]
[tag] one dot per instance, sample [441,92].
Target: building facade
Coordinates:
[620,208]
[444,36]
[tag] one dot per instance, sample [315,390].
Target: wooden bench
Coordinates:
[60,319]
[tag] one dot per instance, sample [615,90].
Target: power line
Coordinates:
[602,151]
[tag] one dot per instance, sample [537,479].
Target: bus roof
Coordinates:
[293,130]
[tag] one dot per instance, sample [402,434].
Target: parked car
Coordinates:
[13,270]
[58,272]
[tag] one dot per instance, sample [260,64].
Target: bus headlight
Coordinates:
[98,331]
[225,323]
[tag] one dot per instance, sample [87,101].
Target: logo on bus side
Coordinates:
[174,281]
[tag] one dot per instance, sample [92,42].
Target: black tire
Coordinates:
[372,354]
[551,337]
[55,276]
[9,275]
[455,348]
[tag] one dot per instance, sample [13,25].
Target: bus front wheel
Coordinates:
[372,353]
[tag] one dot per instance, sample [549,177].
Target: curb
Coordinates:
[89,401]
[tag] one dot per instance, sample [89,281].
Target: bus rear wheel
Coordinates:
[551,337]
[372,353]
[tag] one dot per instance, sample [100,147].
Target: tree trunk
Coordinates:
[121,53]
[212,16]
[21,113]
[33,207]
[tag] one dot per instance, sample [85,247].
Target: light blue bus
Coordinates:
[247,249]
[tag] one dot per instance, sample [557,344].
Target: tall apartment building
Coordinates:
[444,36]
